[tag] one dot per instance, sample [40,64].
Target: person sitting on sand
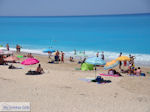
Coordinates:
[71,59]
[29,55]
[138,71]
[39,69]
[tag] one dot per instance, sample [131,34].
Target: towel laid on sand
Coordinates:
[115,75]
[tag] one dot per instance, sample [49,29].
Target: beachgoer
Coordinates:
[120,63]
[7,46]
[83,61]
[120,54]
[49,54]
[111,72]
[97,54]
[84,52]
[39,69]
[11,67]
[71,59]
[102,55]
[57,56]
[125,63]
[135,71]
[138,71]
[19,48]
[62,57]
[75,52]
[29,55]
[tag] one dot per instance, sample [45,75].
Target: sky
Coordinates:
[72,7]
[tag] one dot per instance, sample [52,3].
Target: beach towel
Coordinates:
[115,75]
[77,68]
[33,73]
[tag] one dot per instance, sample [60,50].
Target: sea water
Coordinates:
[129,34]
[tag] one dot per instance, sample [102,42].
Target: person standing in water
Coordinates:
[97,54]
[7,46]
[102,55]
[75,52]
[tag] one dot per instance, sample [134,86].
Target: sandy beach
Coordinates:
[60,90]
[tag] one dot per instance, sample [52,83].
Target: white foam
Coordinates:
[141,59]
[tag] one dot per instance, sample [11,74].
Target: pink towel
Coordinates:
[115,75]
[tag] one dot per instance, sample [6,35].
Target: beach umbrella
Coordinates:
[48,50]
[11,59]
[111,64]
[95,61]
[30,61]
[123,58]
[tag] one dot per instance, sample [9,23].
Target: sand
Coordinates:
[60,90]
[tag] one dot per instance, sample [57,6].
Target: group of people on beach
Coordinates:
[59,57]
[18,48]
[102,55]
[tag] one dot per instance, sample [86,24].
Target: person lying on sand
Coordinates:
[113,72]
[2,61]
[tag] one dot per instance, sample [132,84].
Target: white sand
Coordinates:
[60,90]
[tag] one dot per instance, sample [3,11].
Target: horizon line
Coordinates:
[85,15]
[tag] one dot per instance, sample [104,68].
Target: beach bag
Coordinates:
[99,79]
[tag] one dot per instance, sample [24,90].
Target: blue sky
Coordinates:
[72,7]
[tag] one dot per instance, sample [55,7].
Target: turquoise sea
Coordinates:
[112,34]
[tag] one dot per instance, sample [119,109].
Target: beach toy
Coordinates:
[20,56]
[111,64]
[30,61]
